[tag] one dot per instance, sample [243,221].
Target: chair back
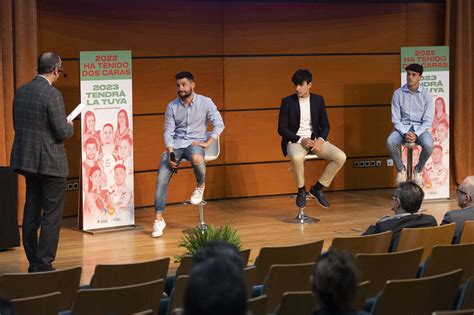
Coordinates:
[119,300]
[418,296]
[184,268]
[177,294]
[459,312]
[45,304]
[303,303]
[213,151]
[379,268]
[445,258]
[467,235]
[250,274]
[20,285]
[117,275]
[466,300]
[245,254]
[361,295]
[367,244]
[284,278]
[297,254]
[425,237]
[257,305]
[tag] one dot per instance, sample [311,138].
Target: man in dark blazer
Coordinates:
[304,127]
[38,154]
[406,203]
[465,193]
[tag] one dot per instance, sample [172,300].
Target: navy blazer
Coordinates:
[289,119]
[40,127]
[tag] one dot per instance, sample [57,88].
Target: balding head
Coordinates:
[466,192]
[47,62]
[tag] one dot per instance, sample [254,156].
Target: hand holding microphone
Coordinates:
[172,162]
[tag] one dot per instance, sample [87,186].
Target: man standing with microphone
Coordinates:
[38,153]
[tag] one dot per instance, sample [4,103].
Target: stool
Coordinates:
[301,217]
[409,146]
[212,153]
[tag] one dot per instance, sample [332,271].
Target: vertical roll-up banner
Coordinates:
[107,140]
[435,79]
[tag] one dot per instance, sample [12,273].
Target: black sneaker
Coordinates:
[318,195]
[301,198]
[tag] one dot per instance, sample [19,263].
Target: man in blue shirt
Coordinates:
[186,120]
[412,118]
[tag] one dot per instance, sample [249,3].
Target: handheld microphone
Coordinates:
[173,159]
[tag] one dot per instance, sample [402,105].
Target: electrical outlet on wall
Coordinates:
[389,162]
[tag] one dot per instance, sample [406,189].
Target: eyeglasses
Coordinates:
[60,69]
[461,192]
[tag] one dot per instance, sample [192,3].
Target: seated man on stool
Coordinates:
[406,203]
[412,118]
[186,120]
[304,127]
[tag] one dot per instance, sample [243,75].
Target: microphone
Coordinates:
[173,159]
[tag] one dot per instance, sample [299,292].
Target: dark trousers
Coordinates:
[42,193]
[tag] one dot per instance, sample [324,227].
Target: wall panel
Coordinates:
[342,80]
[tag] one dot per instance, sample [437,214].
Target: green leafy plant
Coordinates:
[195,239]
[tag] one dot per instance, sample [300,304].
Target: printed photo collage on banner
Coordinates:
[107,140]
[435,79]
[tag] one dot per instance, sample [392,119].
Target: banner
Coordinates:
[107,139]
[435,79]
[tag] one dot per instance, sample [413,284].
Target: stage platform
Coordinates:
[259,221]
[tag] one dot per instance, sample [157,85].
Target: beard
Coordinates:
[184,94]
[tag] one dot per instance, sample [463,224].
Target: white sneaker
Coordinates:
[418,178]
[196,197]
[401,176]
[158,227]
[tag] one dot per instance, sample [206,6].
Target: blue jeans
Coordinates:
[165,172]
[395,140]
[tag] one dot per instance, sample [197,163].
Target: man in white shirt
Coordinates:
[304,127]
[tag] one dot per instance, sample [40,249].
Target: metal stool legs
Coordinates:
[202,225]
[409,147]
[301,217]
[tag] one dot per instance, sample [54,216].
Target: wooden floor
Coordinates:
[259,222]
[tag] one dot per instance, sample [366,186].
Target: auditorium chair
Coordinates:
[367,244]
[119,300]
[45,304]
[445,258]
[425,237]
[418,296]
[20,285]
[250,274]
[459,312]
[116,275]
[296,254]
[257,305]
[379,268]
[466,300]
[177,294]
[301,303]
[467,235]
[284,278]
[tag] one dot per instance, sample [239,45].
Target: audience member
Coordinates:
[216,284]
[407,201]
[464,193]
[335,282]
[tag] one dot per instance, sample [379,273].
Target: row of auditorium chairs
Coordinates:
[271,264]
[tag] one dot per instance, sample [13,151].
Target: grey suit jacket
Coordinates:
[458,216]
[40,127]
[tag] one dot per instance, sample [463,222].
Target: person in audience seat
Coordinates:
[334,283]
[407,201]
[464,193]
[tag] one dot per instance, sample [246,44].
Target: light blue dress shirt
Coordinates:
[412,111]
[184,125]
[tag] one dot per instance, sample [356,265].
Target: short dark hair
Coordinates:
[47,61]
[410,195]
[335,280]
[300,76]
[415,67]
[184,75]
[216,286]
[216,249]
